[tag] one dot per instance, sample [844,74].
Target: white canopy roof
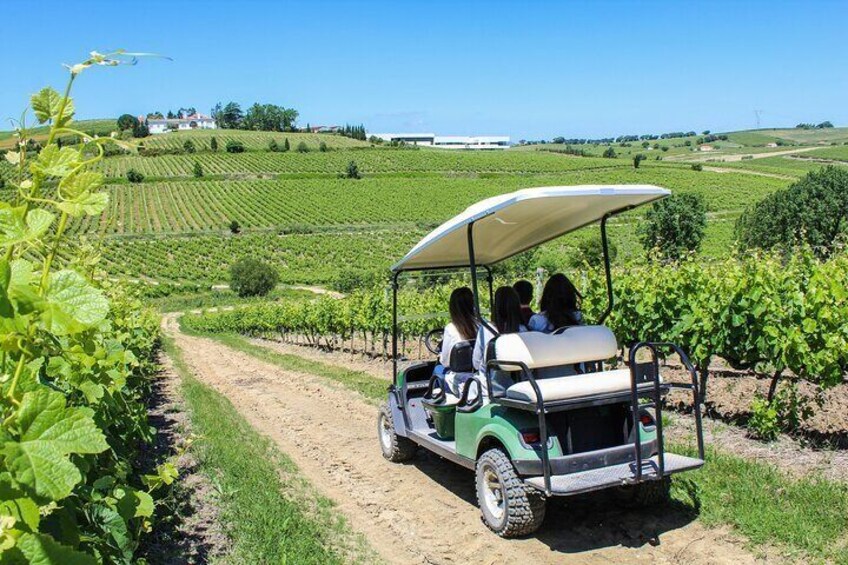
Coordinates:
[511,223]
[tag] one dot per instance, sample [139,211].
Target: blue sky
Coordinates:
[525,69]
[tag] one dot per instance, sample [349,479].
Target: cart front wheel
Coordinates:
[509,507]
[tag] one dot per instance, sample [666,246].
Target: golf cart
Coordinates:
[566,423]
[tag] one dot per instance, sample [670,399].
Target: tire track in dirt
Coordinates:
[425,512]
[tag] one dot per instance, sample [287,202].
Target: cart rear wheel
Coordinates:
[647,494]
[395,448]
[509,507]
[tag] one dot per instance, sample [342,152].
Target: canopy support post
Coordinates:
[490,279]
[394,326]
[473,264]
[607,273]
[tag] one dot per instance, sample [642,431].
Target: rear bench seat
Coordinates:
[578,344]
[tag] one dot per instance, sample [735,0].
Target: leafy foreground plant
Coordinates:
[73,370]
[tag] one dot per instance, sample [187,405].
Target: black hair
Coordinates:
[525,291]
[507,310]
[560,301]
[461,307]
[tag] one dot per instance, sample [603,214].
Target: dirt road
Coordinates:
[425,512]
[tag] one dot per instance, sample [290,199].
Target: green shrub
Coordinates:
[189,147]
[674,226]
[234,146]
[141,130]
[352,171]
[251,277]
[610,153]
[302,147]
[286,145]
[235,227]
[127,122]
[813,211]
[763,423]
[322,147]
[213,144]
[697,167]
[638,158]
[198,170]
[134,176]
[272,146]
[590,251]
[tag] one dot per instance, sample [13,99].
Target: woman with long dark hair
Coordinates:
[462,327]
[559,307]
[506,319]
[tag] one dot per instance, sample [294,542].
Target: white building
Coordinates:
[472,142]
[410,138]
[194,121]
[447,141]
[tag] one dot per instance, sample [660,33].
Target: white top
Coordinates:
[539,322]
[484,336]
[450,338]
[511,223]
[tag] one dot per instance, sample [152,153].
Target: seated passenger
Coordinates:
[525,296]
[462,327]
[506,316]
[559,307]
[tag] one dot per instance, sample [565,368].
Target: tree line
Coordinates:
[259,117]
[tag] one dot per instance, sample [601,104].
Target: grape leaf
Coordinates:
[41,549]
[72,304]
[50,431]
[46,103]
[55,162]
[79,183]
[85,203]
[15,229]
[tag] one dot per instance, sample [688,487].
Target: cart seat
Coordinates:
[576,386]
[576,344]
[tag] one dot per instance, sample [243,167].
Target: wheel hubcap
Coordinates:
[493,493]
[385,433]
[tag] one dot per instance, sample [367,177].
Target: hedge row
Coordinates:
[767,312]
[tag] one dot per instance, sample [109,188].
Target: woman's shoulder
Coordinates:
[538,322]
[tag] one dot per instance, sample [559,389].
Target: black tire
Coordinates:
[645,495]
[522,508]
[395,448]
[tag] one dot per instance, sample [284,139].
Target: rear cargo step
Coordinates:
[615,475]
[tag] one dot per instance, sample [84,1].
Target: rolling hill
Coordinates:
[294,210]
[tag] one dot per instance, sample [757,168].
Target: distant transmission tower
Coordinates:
[757,114]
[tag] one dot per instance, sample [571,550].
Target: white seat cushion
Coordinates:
[577,344]
[575,386]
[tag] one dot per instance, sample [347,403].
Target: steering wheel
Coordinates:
[433,341]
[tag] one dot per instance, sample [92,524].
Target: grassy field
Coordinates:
[790,166]
[252,140]
[101,127]
[837,153]
[295,212]
[796,136]
[202,206]
[311,229]
[370,161]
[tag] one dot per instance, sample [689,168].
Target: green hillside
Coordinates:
[797,136]
[252,140]
[101,127]
[294,210]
